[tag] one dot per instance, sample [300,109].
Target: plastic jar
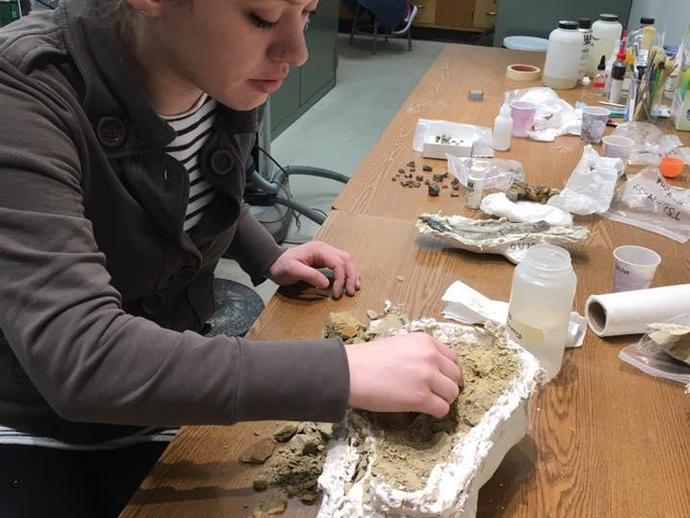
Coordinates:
[541,300]
[563,56]
[606,32]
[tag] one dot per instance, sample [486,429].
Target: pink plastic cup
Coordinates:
[523,117]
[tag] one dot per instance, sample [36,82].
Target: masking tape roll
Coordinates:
[523,72]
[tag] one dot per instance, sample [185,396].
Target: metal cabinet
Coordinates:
[309,83]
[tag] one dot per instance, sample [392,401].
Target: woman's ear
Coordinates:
[152,8]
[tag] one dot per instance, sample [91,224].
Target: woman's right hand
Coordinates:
[405,373]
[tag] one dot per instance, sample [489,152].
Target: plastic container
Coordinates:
[563,57]
[617,147]
[606,31]
[634,267]
[503,128]
[475,186]
[523,117]
[585,27]
[645,36]
[541,300]
[594,119]
[671,166]
[617,78]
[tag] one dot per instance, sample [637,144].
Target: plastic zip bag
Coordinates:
[591,185]
[649,357]
[499,173]
[648,202]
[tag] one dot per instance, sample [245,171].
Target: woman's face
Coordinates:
[237,51]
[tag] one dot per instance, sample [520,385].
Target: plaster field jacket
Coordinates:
[102,294]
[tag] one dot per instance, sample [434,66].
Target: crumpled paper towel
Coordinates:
[497,204]
[467,305]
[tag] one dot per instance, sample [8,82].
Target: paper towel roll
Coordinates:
[629,312]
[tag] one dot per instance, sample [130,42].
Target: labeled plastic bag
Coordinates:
[649,144]
[498,173]
[648,202]
[648,356]
[591,185]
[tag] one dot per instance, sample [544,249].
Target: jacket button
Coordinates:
[222,161]
[111,132]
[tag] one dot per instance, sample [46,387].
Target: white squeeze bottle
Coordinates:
[563,56]
[503,127]
[605,31]
[541,300]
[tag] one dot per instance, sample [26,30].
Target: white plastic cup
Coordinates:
[617,147]
[523,117]
[594,120]
[634,267]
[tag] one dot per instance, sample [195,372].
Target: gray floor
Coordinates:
[342,127]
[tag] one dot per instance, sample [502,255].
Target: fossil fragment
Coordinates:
[674,339]
[498,236]
[524,191]
[427,168]
[434,189]
[411,163]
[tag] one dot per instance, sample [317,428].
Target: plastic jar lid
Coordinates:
[568,25]
[671,166]
[585,23]
[609,17]
[646,20]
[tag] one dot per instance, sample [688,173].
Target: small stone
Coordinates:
[456,187]
[304,444]
[277,505]
[438,177]
[416,185]
[444,186]
[258,452]
[400,278]
[393,178]
[455,182]
[260,484]
[427,168]
[454,194]
[401,171]
[426,182]
[419,178]
[372,314]
[411,163]
[434,189]
[308,498]
[285,432]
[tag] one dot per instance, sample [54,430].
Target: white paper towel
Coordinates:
[629,312]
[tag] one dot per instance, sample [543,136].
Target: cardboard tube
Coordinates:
[629,312]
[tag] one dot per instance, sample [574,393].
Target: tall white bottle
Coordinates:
[541,300]
[605,32]
[563,56]
[503,127]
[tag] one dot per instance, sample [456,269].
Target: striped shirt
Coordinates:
[192,130]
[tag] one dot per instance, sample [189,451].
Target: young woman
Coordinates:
[123,137]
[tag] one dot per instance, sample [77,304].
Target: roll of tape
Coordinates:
[523,72]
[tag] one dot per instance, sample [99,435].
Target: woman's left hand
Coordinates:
[301,262]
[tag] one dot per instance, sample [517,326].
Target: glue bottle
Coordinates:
[541,300]
[503,127]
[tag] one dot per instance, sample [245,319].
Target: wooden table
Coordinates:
[604,439]
[442,94]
